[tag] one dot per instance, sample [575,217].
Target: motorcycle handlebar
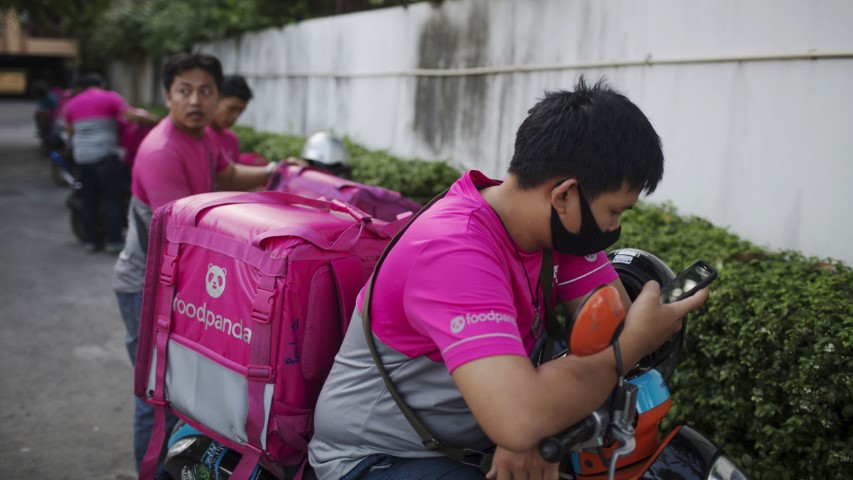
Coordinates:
[555,447]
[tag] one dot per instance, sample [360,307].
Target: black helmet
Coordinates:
[635,268]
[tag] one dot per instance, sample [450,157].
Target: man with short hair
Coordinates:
[581,159]
[233,101]
[178,158]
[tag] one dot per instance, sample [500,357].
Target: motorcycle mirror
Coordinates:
[597,322]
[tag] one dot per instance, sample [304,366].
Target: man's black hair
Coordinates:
[92,79]
[593,134]
[236,86]
[181,62]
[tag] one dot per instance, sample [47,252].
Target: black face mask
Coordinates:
[590,239]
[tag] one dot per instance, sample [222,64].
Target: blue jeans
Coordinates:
[385,467]
[130,306]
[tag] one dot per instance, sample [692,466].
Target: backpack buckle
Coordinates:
[170,263]
[167,269]
[433,445]
[262,307]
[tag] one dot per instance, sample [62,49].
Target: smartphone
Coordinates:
[694,278]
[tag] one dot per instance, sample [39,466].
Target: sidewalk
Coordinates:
[65,379]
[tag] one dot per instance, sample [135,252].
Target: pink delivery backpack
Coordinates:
[378,202]
[247,297]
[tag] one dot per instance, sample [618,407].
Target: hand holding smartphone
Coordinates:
[694,278]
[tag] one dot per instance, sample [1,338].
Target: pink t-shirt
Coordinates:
[94,103]
[453,289]
[171,164]
[228,141]
[94,115]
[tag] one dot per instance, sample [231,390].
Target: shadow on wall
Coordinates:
[441,103]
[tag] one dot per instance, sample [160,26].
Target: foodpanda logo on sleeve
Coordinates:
[215,280]
[458,323]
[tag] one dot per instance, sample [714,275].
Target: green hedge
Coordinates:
[417,179]
[766,371]
[266,143]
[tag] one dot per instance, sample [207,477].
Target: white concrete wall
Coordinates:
[762,146]
[137,81]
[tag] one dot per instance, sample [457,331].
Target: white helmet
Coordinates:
[324,150]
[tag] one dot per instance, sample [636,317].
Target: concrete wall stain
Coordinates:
[442,104]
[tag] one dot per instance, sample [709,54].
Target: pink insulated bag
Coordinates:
[311,182]
[247,297]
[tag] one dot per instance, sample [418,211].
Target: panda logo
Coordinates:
[457,324]
[215,280]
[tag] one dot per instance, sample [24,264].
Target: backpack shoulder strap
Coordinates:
[428,439]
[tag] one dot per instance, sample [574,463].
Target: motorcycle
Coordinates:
[620,440]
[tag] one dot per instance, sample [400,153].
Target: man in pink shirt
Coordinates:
[235,98]
[92,118]
[456,307]
[178,158]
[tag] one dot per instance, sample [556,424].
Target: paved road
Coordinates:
[65,379]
